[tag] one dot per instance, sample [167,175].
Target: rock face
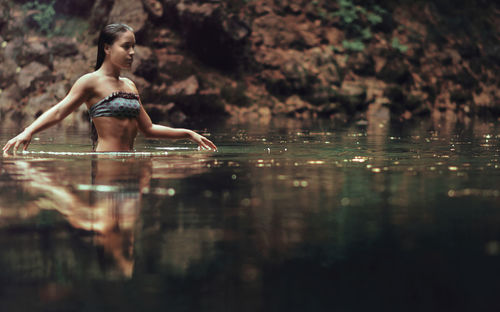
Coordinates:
[32,76]
[129,12]
[216,36]
[254,60]
[145,63]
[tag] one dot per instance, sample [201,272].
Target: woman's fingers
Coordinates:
[207,144]
[6,147]
[26,145]
[16,147]
[210,144]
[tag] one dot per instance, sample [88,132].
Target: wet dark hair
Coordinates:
[108,35]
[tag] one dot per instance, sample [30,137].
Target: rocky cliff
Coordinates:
[255,59]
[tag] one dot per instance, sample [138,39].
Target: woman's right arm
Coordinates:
[76,96]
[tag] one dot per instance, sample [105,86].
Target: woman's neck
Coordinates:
[109,70]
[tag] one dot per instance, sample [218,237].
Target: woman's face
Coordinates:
[121,52]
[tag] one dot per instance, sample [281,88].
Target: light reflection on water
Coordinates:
[279,219]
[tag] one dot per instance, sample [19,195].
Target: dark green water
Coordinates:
[282,218]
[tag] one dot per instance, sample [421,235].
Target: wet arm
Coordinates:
[151,130]
[61,110]
[55,114]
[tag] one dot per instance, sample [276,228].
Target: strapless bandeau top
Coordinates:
[117,104]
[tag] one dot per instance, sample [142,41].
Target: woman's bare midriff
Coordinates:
[115,134]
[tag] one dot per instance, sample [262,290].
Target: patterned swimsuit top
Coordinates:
[117,104]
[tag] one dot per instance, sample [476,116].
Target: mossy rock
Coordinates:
[397,98]
[329,109]
[395,71]
[362,64]
[352,97]
[461,96]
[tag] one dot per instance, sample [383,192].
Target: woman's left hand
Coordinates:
[203,142]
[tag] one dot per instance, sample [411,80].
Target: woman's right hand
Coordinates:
[22,138]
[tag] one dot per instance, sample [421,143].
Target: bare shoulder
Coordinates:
[86,82]
[130,84]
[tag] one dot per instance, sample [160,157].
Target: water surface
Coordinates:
[282,218]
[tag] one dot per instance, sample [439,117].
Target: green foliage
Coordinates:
[44,15]
[348,12]
[354,45]
[358,21]
[373,18]
[398,46]
[51,24]
[70,27]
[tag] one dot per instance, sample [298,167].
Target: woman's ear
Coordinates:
[107,48]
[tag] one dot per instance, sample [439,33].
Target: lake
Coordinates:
[286,216]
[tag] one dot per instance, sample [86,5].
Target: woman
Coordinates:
[113,101]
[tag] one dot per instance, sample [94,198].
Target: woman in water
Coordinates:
[113,101]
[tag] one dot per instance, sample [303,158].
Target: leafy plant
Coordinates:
[354,45]
[358,21]
[398,46]
[44,15]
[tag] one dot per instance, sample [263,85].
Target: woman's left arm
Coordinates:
[151,130]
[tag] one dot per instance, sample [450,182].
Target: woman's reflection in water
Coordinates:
[115,201]
[108,208]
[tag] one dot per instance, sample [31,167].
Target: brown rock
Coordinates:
[145,63]
[189,86]
[71,68]
[217,37]
[77,8]
[33,52]
[33,74]
[9,101]
[99,15]
[38,104]
[153,7]
[130,12]
[397,71]
[334,36]
[295,104]
[63,46]
[352,96]
[7,72]
[361,63]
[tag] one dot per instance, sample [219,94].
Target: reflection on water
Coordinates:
[315,218]
[99,197]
